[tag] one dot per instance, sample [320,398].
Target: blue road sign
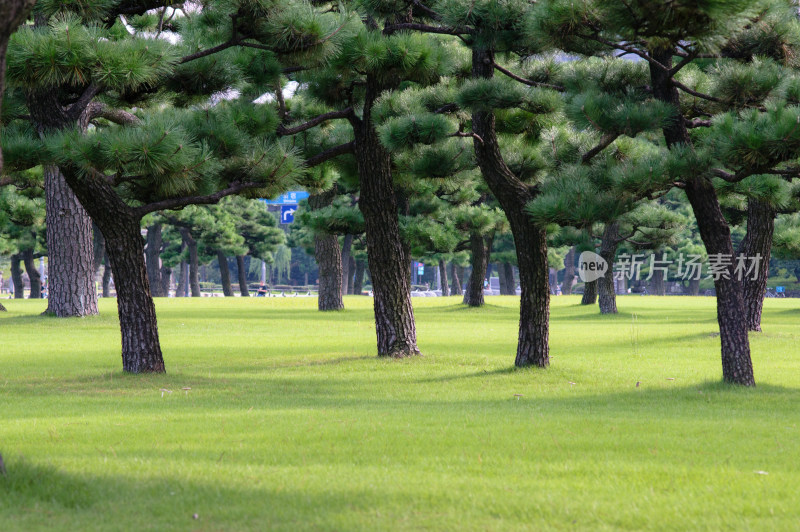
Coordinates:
[780,289]
[287,213]
[289,198]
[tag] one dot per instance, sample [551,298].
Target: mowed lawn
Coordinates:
[291,422]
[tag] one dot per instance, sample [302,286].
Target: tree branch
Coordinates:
[388,30]
[626,48]
[687,90]
[605,141]
[330,153]
[344,113]
[528,81]
[177,203]
[118,116]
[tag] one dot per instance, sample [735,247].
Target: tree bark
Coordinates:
[242,275]
[16,276]
[183,278]
[694,287]
[529,238]
[225,274]
[70,250]
[511,284]
[347,272]
[358,282]
[141,349]
[191,245]
[153,259]
[589,293]
[737,367]
[107,278]
[388,258]
[569,272]
[479,255]
[757,243]
[456,272]
[33,275]
[658,284]
[351,275]
[605,285]
[443,278]
[166,280]
[329,259]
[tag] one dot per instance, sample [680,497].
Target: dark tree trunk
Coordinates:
[107,278]
[479,260]
[589,293]
[166,280]
[329,259]
[183,278]
[694,287]
[242,274]
[153,256]
[16,276]
[569,272]
[658,283]
[529,238]
[605,285]
[511,283]
[191,245]
[347,272]
[456,272]
[70,250]
[358,282]
[757,243]
[737,366]
[99,248]
[443,278]
[388,258]
[33,275]
[351,275]
[141,350]
[225,274]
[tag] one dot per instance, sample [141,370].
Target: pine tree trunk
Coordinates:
[659,286]
[358,282]
[191,245]
[16,276]
[479,260]
[329,257]
[351,275]
[569,272]
[443,278]
[153,259]
[694,287]
[347,273]
[529,239]
[242,275]
[183,278]
[589,293]
[511,284]
[225,274]
[107,278]
[456,272]
[99,249]
[33,275]
[70,250]
[388,259]
[757,243]
[141,350]
[607,297]
[166,280]
[737,367]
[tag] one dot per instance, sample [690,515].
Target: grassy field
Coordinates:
[291,423]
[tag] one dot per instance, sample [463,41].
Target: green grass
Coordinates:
[291,423]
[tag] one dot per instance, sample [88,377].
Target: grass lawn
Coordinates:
[292,424]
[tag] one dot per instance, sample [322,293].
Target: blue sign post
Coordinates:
[289,198]
[287,213]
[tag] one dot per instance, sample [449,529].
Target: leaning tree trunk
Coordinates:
[589,293]
[479,255]
[388,261]
[757,243]
[358,281]
[153,259]
[141,349]
[225,274]
[456,272]
[605,285]
[191,245]
[533,347]
[737,366]
[241,273]
[347,273]
[33,275]
[16,276]
[443,278]
[569,272]
[329,259]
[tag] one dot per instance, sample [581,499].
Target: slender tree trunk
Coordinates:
[153,256]
[589,293]
[242,274]
[501,274]
[16,276]
[225,274]
[358,282]
[347,272]
[479,255]
[351,275]
[757,245]
[99,249]
[33,275]
[605,285]
[388,259]
[529,238]
[694,287]
[166,280]
[329,259]
[511,284]
[443,278]
[191,245]
[737,366]
[658,283]
[107,278]
[456,272]
[569,272]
